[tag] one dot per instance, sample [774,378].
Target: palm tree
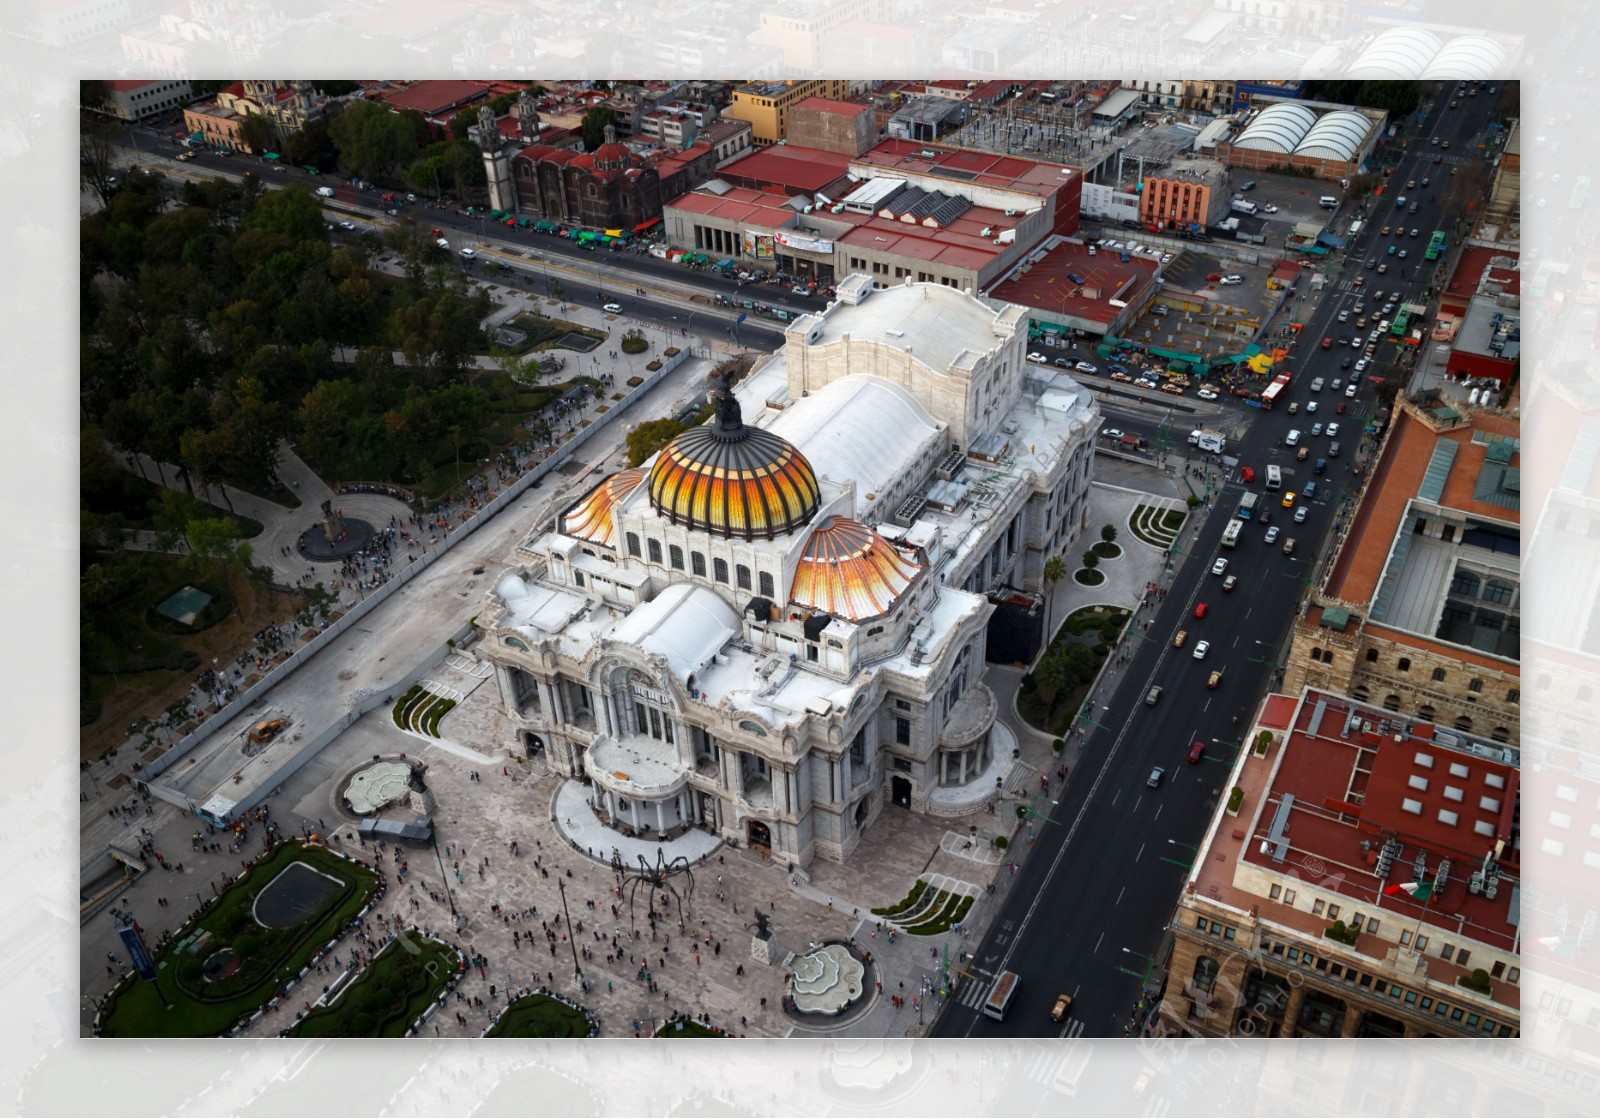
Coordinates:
[1055,569]
[1049,678]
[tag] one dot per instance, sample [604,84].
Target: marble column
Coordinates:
[1352,1021]
[611,806]
[633,813]
[661,815]
[962,777]
[1291,1011]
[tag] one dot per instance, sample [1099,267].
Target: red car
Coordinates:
[1247,474]
[1199,609]
[1327,343]
[1196,752]
[1341,409]
[1213,276]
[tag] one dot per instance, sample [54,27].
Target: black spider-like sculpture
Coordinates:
[659,880]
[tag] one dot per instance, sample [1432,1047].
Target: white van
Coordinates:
[326,192]
[1293,438]
[1328,202]
[1001,994]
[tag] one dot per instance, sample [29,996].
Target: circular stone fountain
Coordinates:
[826,981]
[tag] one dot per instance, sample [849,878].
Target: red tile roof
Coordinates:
[1349,788]
[789,167]
[434,98]
[965,165]
[1048,286]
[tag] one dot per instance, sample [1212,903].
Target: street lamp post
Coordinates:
[444,876]
[572,938]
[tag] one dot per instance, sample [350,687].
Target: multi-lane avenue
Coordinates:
[1087,916]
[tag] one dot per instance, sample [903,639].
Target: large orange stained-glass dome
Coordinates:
[850,571]
[732,480]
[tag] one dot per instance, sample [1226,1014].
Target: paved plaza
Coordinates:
[560,843]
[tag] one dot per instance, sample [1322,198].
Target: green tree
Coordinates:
[374,141]
[594,126]
[97,161]
[1108,533]
[256,133]
[1090,560]
[322,416]
[292,212]
[1049,678]
[650,436]
[1055,569]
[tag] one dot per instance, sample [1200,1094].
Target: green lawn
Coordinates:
[389,994]
[181,1003]
[540,1016]
[690,1028]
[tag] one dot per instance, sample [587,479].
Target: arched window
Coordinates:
[1438,676]
[697,563]
[719,569]
[633,543]
[1465,583]
[1316,654]
[1391,702]
[1359,692]
[677,557]
[1205,974]
[1475,685]
[1425,712]
[1403,664]
[765,580]
[742,573]
[1464,723]
[1514,695]
[1500,734]
[655,551]
[1498,590]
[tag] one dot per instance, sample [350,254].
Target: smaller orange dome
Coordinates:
[848,570]
[590,519]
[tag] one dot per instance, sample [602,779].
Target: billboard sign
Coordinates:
[804,244]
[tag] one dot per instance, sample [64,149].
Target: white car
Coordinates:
[1350,389]
[1300,515]
[442,243]
[1085,367]
[1269,208]
[1332,431]
[1344,316]
[613,308]
[1311,406]
[1231,280]
[1220,566]
[1038,359]
[1272,535]
[1206,394]
[1201,650]
[469,254]
[1111,433]
[347,225]
[1316,429]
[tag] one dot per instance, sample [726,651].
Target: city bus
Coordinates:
[1274,478]
[1230,535]
[1402,319]
[1435,245]
[1580,194]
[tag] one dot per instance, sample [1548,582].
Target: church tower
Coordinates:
[497,162]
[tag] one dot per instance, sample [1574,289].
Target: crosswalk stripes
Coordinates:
[974,992]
